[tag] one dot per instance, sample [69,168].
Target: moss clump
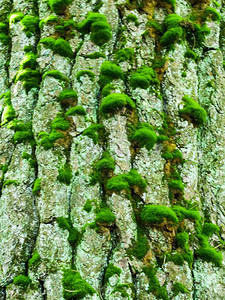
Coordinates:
[85,72]
[4,38]
[88,206]
[183,240]
[141,246]
[156,214]
[143,78]
[175,184]
[144,136]
[179,288]
[176,257]
[23,132]
[193,112]
[126,182]
[95,55]
[30,158]
[154,285]
[67,96]
[47,140]
[15,17]
[34,260]
[37,186]
[105,216]
[101,169]
[58,46]
[9,182]
[191,54]
[59,6]
[209,254]
[74,287]
[60,123]
[77,110]
[96,24]
[126,54]
[183,213]
[30,78]
[74,234]
[111,271]
[209,229]
[48,20]
[171,36]
[212,13]
[107,89]
[29,25]
[22,280]
[55,74]
[94,132]
[132,18]
[115,102]
[65,174]
[109,71]
[29,61]
[8,112]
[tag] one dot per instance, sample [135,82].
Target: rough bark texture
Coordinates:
[47,232]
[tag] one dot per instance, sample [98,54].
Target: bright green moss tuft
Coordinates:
[59,6]
[74,234]
[141,247]
[143,78]
[107,89]
[67,95]
[127,181]
[111,271]
[209,254]
[88,206]
[29,61]
[29,25]
[22,280]
[144,136]
[23,133]
[156,214]
[48,20]
[37,186]
[77,110]
[85,72]
[175,184]
[94,131]
[193,112]
[96,24]
[171,36]
[55,74]
[34,260]
[60,123]
[105,216]
[4,38]
[58,46]
[115,102]
[101,169]
[176,257]
[183,213]
[132,18]
[200,33]
[191,54]
[9,182]
[47,140]
[179,288]
[65,174]
[8,112]
[212,13]
[182,240]
[210,228]
[30,78]
[109,71]
[15,17]
[74,287]
[95,55]
[126,54]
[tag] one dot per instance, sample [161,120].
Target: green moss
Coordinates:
[111,271]
[65,174]
[48,20]
[101,169]
[94,131]
[191,54]
[23,133]
[56,74]
[85,72]
[179,288]
[141,246]
[67,97]
[115,102]
[77,110]
[183,240]
[58,46]
[60,123]
[29,61]
[74,287]
[9,182]
[212,13]
[15,17]
[171,36]
[30,78]
[59,6]
[109,71]
[34,260]
[105,216]
[156,214]
[209,229]
[200,33]
[29,24]
[96,24]
[9,112]
[144,136]
[126,182]
[193,112]
[47,140]
[154,286]
[122,289]
[126,54]
[209,254]
[183,213]
[107,89]
[74,234]
[37,186]
[88,206]
[176,258]
[132,18]
[175,184]
[95,55]
[4,38]
[143,78]
[22,280]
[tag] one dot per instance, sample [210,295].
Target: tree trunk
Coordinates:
[112,165]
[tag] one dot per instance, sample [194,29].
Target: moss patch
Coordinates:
[156,214]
